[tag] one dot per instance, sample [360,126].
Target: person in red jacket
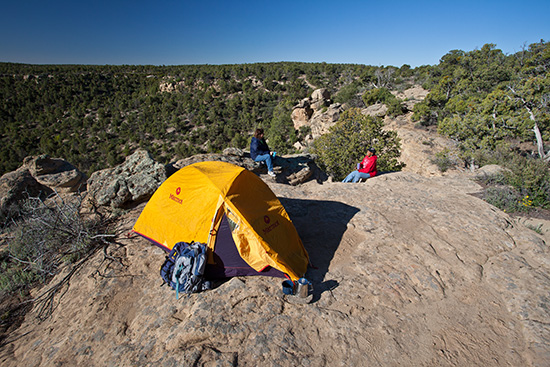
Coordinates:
[365,169]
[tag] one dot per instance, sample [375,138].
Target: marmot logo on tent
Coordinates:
[271,227]
[176,199]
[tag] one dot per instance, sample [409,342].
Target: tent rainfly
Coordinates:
[246,228]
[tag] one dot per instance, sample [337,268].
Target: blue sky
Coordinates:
[178,32]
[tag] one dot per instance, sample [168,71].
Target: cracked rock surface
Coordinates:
[406,270]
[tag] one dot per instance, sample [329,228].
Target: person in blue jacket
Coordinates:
[259,151]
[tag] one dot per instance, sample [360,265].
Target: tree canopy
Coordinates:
[483,98]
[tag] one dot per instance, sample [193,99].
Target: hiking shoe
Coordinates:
[272,174]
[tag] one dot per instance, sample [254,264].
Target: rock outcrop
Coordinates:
[375,110]
[304,110]
[55,173]
[316,112]
[140,175]
[406,271]
[128,184]
[16,186]
[135,180]
[292,169]
[39,177]
[412,96]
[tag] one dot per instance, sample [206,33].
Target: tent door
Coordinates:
[226,260]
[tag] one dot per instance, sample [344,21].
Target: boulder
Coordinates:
[490,170]
[18,185]
[56,173]
[300,116]
[412,96]
[304,110]
[317,112]
[297,169]
[376,110]
[323,120]
[128,184]
[321,94]
[39,177]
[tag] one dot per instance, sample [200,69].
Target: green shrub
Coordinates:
[424,114]
[443,160]
[349,94]
[15,276]
[303,132]
[281,134]
[497,179]
[505,198]
[527,177]
[346,144]
[532,177]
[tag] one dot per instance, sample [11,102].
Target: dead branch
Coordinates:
[46,301]
[47,235]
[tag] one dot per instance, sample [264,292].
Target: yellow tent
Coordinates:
[245,227]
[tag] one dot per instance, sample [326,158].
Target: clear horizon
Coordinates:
[170,32]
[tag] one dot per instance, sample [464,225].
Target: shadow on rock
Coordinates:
[321,288]
[321,226]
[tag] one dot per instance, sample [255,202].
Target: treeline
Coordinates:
[497,108]
[94,116]
[484,98]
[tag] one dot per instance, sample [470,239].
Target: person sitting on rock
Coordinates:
[365,169]
[259,151]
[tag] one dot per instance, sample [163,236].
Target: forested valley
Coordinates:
[494,105]
[94,116]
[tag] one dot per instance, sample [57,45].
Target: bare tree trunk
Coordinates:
[540,144]
[538,136]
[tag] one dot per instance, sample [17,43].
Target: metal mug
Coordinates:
[303,288]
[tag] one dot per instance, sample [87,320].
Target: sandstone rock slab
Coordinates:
[406,270]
